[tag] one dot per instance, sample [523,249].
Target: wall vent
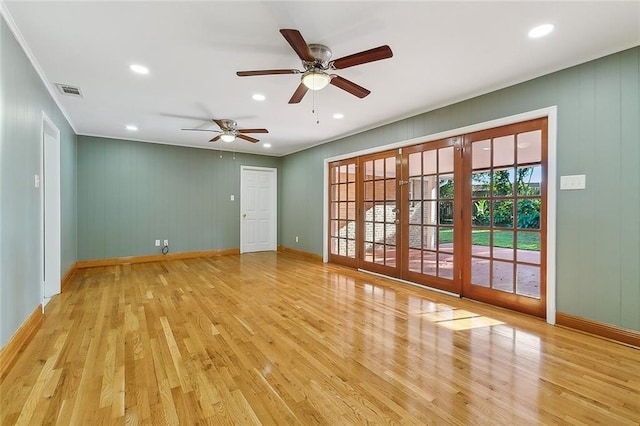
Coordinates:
[69,90]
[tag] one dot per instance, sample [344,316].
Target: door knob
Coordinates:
[244,215]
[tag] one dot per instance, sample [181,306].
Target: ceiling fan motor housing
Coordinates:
[322,55]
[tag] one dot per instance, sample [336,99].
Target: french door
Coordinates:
[465,214]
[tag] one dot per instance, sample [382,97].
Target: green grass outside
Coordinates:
[526,240]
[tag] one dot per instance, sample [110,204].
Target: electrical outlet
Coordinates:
[166,243]
[157,243]
[297,239]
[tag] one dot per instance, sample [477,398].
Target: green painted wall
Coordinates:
[132,193]
[23,98]
[598,229]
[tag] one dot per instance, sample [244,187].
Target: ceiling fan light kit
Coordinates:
[229,131]
[227,137]
[316,61]
[316,79]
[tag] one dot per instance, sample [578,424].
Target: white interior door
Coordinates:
[50,210]
[258,209]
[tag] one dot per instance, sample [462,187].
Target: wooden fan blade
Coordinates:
[266,72]
[253,131]
[371,55]
[349,86]
[217,138]
[203,130]
[298,94]
[220,123]
[298,44]
[247,138]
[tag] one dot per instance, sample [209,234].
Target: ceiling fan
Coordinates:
[229,131]
[316,61]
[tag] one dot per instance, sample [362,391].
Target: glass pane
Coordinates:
[379,233]
[446,212]
[351,248]
[368,231]
[351,230]
[528,247]
[429,212]
[334,246]
[503,182]
[445,157]
[480,184]
[351,171]
[529,213]
[343,247]
[390,163]
[481,154]
[528,281]
[481,213]
[446,186]
[503,245]
[429,263]
[351,211]
[334,210]
[335,174]
[334,228]
[415,212]
[343,173]
[378,254]
[368,211]
[445,239]
[378,213]
[415,236]
[480,272]
[351,192]
[391,212]
[390,232]
[445,265]
[390,256]
[368,170]
[503,214]
[415,260]
[344,193]
[503,151]
[429,163]
[529,180]
[390,189]
[502,276]
[530,147]
[378,169]
[415,164]
[368,191]
[429,188]
[415,188]
[429,237]
[480,242]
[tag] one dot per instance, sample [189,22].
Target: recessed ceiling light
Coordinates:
[338,115]
[132,128]
[139,69]
[266,145]
[259,97]
[540,30]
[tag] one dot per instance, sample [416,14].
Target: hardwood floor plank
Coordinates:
[272,338]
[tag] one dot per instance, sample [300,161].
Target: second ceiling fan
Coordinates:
[316,61]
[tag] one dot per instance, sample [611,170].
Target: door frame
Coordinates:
[550,113]
[273,204]
[50,211]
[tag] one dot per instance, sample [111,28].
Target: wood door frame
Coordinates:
[551,113]
[273,202]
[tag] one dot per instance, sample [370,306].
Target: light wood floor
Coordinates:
[274,339]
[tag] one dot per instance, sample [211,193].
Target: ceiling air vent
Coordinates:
[69,90]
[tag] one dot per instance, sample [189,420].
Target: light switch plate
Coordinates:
[233,197]
[570,182]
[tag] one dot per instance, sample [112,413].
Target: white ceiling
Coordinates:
[443,52]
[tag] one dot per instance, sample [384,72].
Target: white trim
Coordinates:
[552,115]
[274,202]
[13,27]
